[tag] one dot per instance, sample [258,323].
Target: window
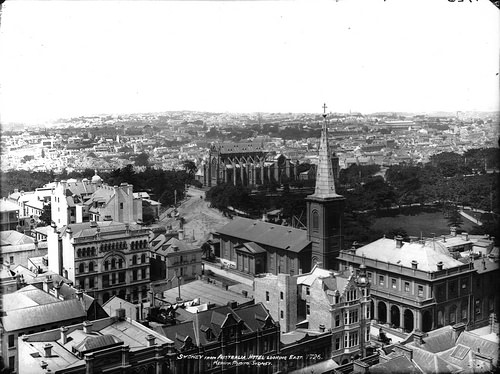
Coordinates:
[420,291]
[143,273]
[113,263]
[143,258]
[81,268]
[121,205]
[91,282]
[134,260]
[315,220]
[281,295]
[113,278]
[308,309]
[106,265]
[478,306]
[407,286]
[393,283]
[91,266]
[120,263]
[308,291]
[369,274]
[282,314]
[121,277]
[352,294]
[11,340]
[11,259]
[12,361]
[267,295]
[381,280]
[337,320]
[134,275]
[337,343]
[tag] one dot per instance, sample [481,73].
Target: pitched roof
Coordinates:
[437,340]
[399,365]
[264,233]
[43,314]
[427,255]
[12,237]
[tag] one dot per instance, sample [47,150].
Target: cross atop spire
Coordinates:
[325,183]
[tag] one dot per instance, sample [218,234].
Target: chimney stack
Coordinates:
[47,350]
[181,234]
[87,327]
[453,231]
[151,340]
[46,284]
[57,289]
[458,328]
[79,294]
[64,335]
[399,241]
[418,337]
[414,264]
[440,265]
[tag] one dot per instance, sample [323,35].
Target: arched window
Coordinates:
[87,252]
[113,263]
[143,258]
[81,267]
[93,251]
[91,266]
[134,260]
[106,265]
[120,263]
[132,245]
[315,220]
[145,243]
[79,253]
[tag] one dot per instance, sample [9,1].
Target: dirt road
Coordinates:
[200,220]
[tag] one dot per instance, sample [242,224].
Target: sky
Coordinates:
[68,58]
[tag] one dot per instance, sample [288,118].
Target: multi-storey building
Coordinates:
[110,345]
[82,201]
[175,258]
[321,301]
[31,310]
[104,258]
[9,215]
[421,285]
[210,341]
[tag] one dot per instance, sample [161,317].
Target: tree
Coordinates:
[142,159]
[189,167]
[46,216]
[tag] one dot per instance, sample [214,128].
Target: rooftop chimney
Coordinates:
[47,350]
[120,314]
[458,328]
[151,340]
[414,264]
[57,289]
[64,335]
[79,294]
[453,231]
[181,234]
[440,265]
[418,337]
[87,327]
[46,284]
[399,241]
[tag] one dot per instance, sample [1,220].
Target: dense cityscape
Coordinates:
[238,187]
[196,242]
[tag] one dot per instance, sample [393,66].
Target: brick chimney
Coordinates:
[47,348]
[414,264]
[151,340]
[458,328]
[64,335]
[47,284]
[418,337]
[87,327]
[399,241]
[440,265]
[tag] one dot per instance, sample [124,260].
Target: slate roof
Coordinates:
[227,148]
[12,237]
[427,255]
[397,365]
[8,206]
[213,320]
[437,341]
[264,233]
[43,314]
[250,247]
[107,228]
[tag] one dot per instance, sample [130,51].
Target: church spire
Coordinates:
[325,182]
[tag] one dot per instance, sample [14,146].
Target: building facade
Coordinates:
[420,285]
[253,247]
[321,301]
[75,201]
[104,258]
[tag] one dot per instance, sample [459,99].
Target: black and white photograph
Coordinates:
[249,186]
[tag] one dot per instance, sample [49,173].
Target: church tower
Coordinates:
[325,209]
